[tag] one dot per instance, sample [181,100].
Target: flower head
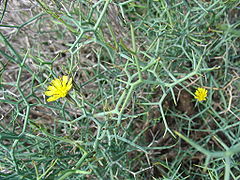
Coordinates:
[58,88]
[201,94]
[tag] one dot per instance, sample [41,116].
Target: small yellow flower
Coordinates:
[58,88]
[201,94]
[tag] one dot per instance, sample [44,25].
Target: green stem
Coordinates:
[101,15]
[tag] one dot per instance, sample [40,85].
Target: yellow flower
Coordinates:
[201,94]
[58,88]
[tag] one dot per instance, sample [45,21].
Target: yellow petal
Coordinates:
[49,93]
[57,83]
[51,88]
[64,80]
[53,98]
